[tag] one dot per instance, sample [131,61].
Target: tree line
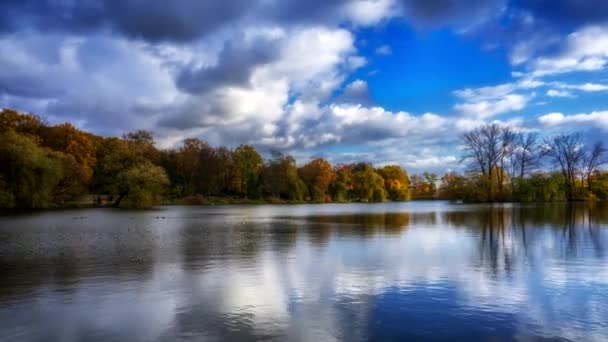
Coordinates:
[506,165]
[44,165]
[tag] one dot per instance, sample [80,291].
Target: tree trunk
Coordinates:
[116,203]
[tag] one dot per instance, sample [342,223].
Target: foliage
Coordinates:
[368,185]
[141,184]
[69,140]
[247,163]
[279,178]
[318,175]
[396,182]
[27,174]
[45,165]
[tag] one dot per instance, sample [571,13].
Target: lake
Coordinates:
[351,272]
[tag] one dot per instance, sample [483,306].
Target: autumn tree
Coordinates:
[143,142]
[318,174]
[21,123]
[188,165]
[68,139]
[396,182]
[247,163]
[423,186]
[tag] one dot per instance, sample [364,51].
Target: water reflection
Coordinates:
[336,272]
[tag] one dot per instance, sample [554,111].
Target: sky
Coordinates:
[381,81]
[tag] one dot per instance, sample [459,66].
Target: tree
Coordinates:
[396,182]
[541,187]
[368,185]
[21,123]
[188,165]
[566,152]
[27,174]
[318,174]
[141,185]
[247,162]
[423,186]
[527,154]
[600,185]
[73,182]
[68,139]
[279,178]
[487,149]
[592,160]
[342,187]
[143,142]
[113,156]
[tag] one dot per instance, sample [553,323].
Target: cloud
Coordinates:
[235,65]
[151,20]
[384,50]
[461,14]
[597,119]
[130,86]
[582,50]
[560,12]
[180,20]
[559,93]
[277,74]
[490,101]
[586,87]
[356,92]
[483,109]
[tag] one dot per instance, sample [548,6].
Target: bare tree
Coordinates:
[592,160]
[528,153]
[488,149]
[508,146]
[566,151]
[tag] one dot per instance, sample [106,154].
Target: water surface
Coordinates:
[352,272]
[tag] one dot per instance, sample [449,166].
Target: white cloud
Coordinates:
[492,107]
[587,87]
[559,93]
[598,119]
[583,50]
[484,102]
[384,50]
[368,12]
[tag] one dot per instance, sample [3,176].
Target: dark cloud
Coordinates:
[460,13]
[234,66]
[159,20]
[297,11]
[560,12]
[356,92]
[152,20]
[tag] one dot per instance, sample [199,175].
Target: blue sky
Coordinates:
[383,81]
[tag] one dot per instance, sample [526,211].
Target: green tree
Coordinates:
[341,188]
[141,185]
[247,162]
[368,185]
[27,174]
[279,178]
